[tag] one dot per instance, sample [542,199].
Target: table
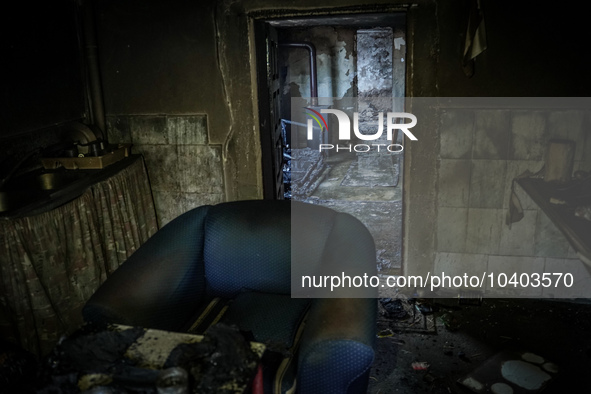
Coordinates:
[559,202]
[53,261]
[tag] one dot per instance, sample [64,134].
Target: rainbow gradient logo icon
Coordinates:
[315,115]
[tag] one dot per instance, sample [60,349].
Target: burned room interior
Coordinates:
[161,160]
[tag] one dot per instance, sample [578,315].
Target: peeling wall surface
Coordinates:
[375,80]
[375,62]
[336,61]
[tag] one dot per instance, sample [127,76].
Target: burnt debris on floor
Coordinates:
[130,360]
[494,347]
[402,314]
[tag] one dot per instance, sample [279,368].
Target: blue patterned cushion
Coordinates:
[248,246]
[347,371]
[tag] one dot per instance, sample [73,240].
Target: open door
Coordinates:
[361,62]
[267,45]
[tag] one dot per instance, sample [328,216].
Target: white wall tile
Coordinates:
[456,134]
[487,183]
[519,240]
[491,134]
[452,225]
[549,240]
[188,130]
[454,183]
[149,130]
[528,135]
[484,230]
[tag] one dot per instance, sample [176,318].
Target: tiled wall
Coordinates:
[481,151]
[185,170]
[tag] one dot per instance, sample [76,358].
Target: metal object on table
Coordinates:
[80,133]
[88,162]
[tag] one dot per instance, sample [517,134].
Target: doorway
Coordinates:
[359,68]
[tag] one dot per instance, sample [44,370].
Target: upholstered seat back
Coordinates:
[261,245]
[247,247]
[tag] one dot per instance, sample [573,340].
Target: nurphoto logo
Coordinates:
[394,121]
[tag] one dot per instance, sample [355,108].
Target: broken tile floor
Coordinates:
[464,336]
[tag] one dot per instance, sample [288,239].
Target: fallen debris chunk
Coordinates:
[420,366]
[450,321]
[385,333]
[395,308]
[424,306]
